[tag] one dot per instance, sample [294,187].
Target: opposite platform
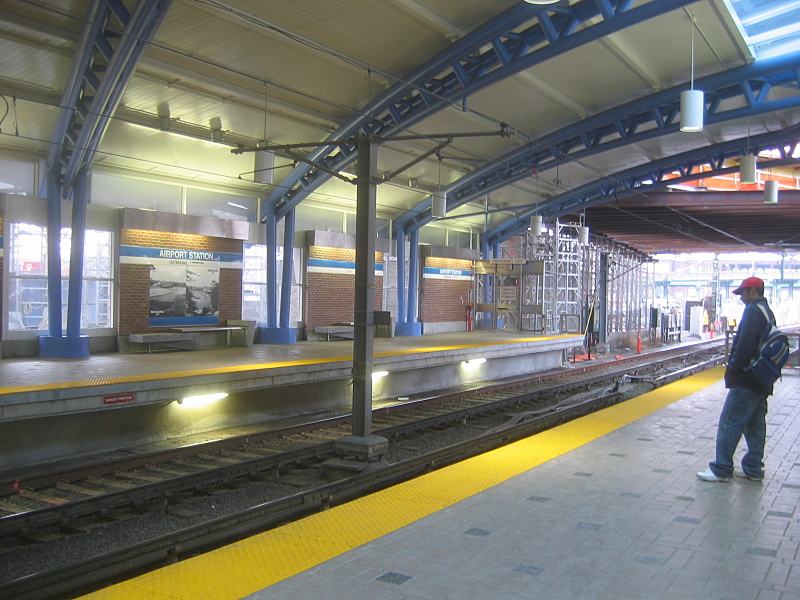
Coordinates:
[607,506]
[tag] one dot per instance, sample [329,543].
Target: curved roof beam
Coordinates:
[494,51]
[656,175]
[102,69]
[733,94]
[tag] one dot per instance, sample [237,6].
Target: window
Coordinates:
[27,303]
[254,284]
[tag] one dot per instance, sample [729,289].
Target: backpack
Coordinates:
[773,352]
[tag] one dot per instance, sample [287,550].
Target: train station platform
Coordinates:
[133,399]
[606,506]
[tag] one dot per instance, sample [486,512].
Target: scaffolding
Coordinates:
[560,285]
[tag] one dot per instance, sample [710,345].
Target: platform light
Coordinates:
[202,400]
[379,374]
[474,362]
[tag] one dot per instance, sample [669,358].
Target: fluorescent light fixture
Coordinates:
[202,400]
[237,205]
[379,374]
[474,362]
[542,2]
[6,186]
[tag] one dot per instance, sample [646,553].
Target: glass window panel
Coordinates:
[27,303]
[16,177]
[111,190]
[254,283]
[317,218]
[204,203]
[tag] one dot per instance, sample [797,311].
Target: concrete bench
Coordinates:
[209,329]
[340,331]
[175,340]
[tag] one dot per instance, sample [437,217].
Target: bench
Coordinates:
[175,340]
[209,329]
[344,332]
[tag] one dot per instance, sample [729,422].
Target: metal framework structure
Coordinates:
[496,50]
[104,63]
[656,175]
[738,93]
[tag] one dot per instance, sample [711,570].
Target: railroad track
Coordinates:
[295,460]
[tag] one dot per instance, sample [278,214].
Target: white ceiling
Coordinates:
[316,65]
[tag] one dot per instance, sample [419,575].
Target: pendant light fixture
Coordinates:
[747,163]
[692,101]
[770,192]
[537,224]
[264,159]
[439,198]
[542,2]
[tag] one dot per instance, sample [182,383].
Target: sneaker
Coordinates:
[740,473]
[708,475]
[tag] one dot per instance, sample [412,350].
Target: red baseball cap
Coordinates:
[750,282]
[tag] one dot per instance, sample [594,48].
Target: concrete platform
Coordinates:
[605,507]
[120,400]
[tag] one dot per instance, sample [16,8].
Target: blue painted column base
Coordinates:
[277,335]
[64,347]
[413,329]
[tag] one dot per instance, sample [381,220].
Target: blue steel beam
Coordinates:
[140,28]
[654,176]
[494,51]
[734,94]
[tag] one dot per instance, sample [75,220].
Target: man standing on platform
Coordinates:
[745,409]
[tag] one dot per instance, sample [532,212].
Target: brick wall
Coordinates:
[133,301]
[444,300]
[330,296]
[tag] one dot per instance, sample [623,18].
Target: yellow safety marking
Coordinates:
[257,562]
[245,368]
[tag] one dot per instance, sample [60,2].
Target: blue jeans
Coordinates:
[744,413]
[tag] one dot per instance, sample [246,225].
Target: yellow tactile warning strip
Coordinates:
[254,367]
[247,566]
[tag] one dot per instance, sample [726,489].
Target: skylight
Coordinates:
[771,27]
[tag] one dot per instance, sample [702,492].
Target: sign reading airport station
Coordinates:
[446,273]
[184,283]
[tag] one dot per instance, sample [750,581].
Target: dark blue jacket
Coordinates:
[745,348]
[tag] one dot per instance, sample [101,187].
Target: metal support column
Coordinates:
[286,276]
[401,277]
[270,332]
[602,298]
[411,326]
[362,443]
[54,254]
[79,202]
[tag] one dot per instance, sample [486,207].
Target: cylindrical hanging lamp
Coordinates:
[692,107]
[692,102]
[771,192]
[264,164]
[747,168]
[583,235]
[438,204]
[537,224]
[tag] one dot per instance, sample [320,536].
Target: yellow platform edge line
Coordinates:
[246,368]
[264,559]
